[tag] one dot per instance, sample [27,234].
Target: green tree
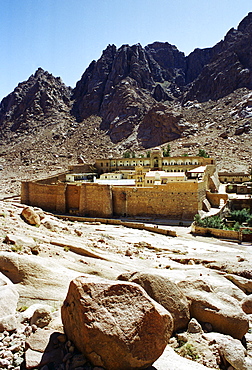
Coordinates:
[126,154]
[148,154]
[166,152]
[203,153]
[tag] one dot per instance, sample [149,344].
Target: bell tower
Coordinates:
[156,159]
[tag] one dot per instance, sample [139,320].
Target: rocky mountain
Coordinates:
[136,97]
[40,97]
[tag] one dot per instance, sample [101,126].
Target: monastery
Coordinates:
[174,188]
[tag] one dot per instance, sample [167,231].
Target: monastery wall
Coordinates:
[51,198]
[95,200]
[173,200]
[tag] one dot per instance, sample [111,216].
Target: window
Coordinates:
[101,164]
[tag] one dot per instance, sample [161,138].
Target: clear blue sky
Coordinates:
[64,36]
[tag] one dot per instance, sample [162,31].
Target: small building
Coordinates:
[162,177]
[196,173]
[111,176]
[74,177]
[234,177]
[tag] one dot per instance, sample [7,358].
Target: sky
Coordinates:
[64,36]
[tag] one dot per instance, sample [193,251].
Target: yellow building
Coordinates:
[155,162]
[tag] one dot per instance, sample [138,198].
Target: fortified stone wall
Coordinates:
[51,198]
[96,200]
[180,200]
[173,200]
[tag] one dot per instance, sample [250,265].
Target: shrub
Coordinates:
[203,153]
[241,215]
[166,152]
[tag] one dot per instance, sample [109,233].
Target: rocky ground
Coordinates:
[42,260]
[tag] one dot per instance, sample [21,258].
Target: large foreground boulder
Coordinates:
[115,324]
[166,293]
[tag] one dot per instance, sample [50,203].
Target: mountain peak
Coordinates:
[245,25]
[36,97]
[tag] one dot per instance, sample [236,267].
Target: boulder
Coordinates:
[246,304]
[221,311]
[114,323]
[8,304]
[30,216]
[231,350]
[29,312]
[41,317]
[166,293]
[241,282]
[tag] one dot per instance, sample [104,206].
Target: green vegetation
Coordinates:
[240,218]
[22,308]
[16,248]
[129,154]
[203,153]
[188,350]
[126,154]
[214,222]
[148,154]
[166,152]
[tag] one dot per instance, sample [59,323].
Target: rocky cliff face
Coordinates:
[41,96]
[228,66]
[126,86]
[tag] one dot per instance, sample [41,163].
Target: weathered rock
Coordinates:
[29,312]
[30,216]
[33,359]
[8,304]
[221,311]
[160,125]
[135,328]
[247,304]
[172,361]
[244,284]
[41,316]
[194,326]
[166,293]
[39,340]
[37,278]
[231,350]
[20,241]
